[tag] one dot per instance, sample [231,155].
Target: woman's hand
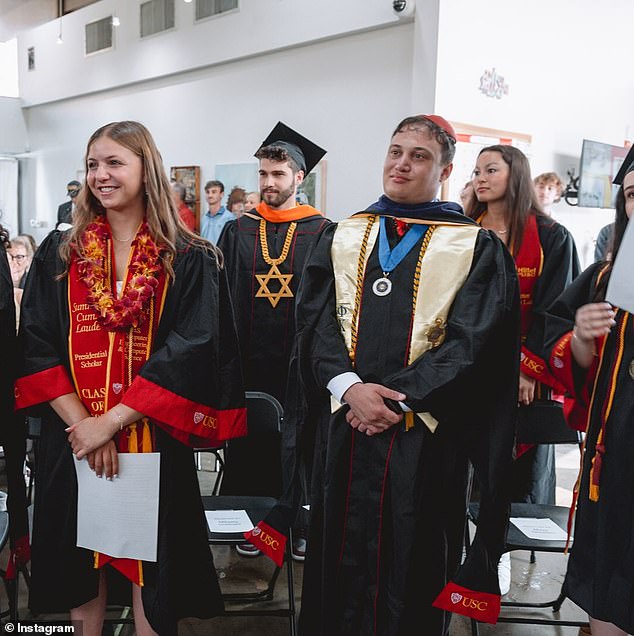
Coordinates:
[591,321]
[105,459]
[526,389]
[90,434]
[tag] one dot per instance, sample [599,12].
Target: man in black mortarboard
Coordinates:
[265,251]
[65,210]
[408,354]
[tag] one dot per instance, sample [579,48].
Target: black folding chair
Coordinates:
[264,416]
[545,426]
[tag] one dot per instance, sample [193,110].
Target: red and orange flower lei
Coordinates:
[130,310]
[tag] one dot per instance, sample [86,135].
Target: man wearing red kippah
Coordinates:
[408,325]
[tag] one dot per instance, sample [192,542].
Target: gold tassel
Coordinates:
[594,493]
[132,440]
[409,420]
[147,437]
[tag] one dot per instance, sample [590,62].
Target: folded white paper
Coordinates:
[540,529]
[620,291]
[120,517]
[228,521]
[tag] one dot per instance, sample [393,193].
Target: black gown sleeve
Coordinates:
[13,427]
[43,360]
[191,385]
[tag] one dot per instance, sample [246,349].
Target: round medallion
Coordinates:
[631,369]
[382,286]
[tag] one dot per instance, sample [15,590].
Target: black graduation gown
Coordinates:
[600,576]
[193,358]
[12,426]
[399,498]
[266,335]
[534,477]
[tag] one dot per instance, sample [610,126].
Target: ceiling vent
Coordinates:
[99,35]
[209,8]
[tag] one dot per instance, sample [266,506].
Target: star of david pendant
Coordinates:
[284,281]
[382,286]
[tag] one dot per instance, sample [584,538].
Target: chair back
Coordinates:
[543,422]
[264,414]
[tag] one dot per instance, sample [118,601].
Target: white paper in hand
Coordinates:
[620,292]
[120,517]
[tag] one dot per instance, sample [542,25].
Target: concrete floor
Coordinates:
[536,582]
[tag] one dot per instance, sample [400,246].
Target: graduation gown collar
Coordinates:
[296,213]
[441,211]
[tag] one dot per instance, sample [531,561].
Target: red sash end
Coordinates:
[481,606]
[269,541]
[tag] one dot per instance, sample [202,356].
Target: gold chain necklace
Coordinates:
[274,273]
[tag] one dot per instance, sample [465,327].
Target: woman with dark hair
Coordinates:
[129,345]
[592,353]
[236,201]
[546,262]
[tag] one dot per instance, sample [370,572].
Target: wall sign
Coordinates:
[492,84]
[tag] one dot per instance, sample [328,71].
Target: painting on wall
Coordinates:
[243,175]
[189,177]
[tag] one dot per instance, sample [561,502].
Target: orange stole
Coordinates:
[103,364]
[286,216]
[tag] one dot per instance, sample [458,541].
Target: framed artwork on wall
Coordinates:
[189,177]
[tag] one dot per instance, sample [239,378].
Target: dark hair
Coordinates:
[279,154]
[237,195]
[446,141]
[620,224]
[520,198]
[214,183]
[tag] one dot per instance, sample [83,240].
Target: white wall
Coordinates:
[346,94]
[259,26]
[13,135]
[566,63]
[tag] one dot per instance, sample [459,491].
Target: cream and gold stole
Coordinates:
[444,262]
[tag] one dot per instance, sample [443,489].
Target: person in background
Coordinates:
[20,253]
[236,201]
[128,346]
[65,210]
[252,201]
[546,261]
[12,425]
[592,348]
[603,244]
[216,216]
[549,188]
[265,252]
[184,211]
[467,195]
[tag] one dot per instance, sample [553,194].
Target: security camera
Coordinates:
[403,8]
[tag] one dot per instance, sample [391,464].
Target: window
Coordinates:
[207,8]
[99,35]
[156,16]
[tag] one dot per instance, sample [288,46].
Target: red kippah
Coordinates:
[441,122]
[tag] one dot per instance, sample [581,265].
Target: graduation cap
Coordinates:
[626,166]
[304,152]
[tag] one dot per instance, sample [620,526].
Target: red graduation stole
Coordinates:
[103,364]
[529,262]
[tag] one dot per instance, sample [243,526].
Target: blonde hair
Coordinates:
[164,223]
